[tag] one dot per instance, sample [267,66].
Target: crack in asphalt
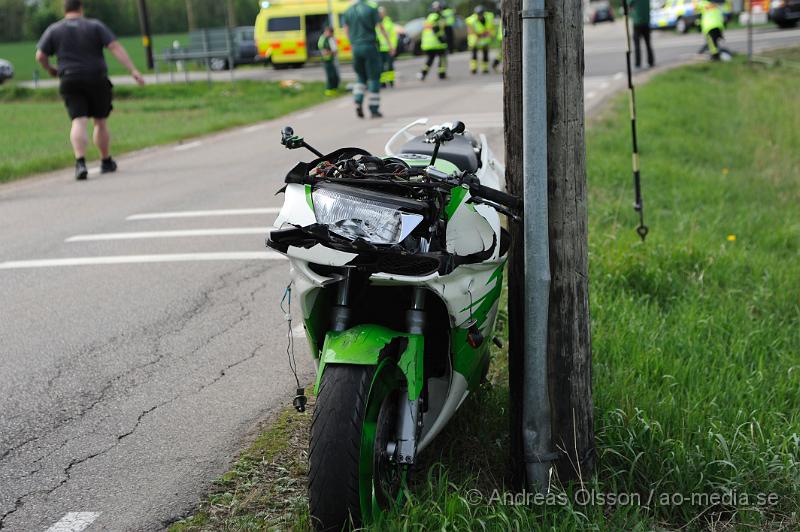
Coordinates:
[204,300]
[180,322]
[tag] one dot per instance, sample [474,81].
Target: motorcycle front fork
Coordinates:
[409,413]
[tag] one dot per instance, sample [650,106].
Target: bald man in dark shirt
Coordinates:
[78,43]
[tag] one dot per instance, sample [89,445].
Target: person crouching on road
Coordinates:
[361,25]
[434,42]
[328,49]
[481,31]
[78,43]
[385,46]
[712,23]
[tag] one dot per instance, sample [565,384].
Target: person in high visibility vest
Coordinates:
[481,32]
[450,20]
[712,23]
[328,49]
[499,40]
[385,47]
[434,42]
[362,28]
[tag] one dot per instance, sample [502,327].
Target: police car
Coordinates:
[678,14]
[681,15]
[6,70]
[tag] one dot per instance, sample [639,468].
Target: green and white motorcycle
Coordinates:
[397,262]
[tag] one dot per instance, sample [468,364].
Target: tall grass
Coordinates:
[696,333]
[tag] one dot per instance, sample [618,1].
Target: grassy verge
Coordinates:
[35,132]
[791,55]
[21,54]
[696,333]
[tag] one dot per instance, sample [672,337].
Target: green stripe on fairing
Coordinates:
[491,296]
[308,198]
[456,197]
[466,360]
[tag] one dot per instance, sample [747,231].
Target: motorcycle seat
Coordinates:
[458,151]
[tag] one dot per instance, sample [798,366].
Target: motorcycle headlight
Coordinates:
[355,217]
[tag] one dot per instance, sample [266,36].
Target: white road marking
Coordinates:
[590,95]
[254,128]
[303,116]
[141,259]
[618,75]
[188,146]
[170,234]
[201,214]
[604,85]
[74,522]
[94,171]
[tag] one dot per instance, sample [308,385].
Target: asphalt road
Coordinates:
[140,336]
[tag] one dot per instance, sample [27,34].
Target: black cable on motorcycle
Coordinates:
[299,401]
[638,205]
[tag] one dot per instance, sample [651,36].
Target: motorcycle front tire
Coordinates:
[349,427]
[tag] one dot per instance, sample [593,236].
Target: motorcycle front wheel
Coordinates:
[351,477]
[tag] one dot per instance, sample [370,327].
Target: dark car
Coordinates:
[412,38]
[785,13]
[599,12]
[6,71]
[216,41]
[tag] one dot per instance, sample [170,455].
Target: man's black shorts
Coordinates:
[89,97]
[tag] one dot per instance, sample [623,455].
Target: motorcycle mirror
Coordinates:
[458,127]
[286,134]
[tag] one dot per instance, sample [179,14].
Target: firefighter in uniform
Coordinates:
[712,23]
[481,32]
[386,45]
[450,20]
[328,49]
[362,24]
[434,42]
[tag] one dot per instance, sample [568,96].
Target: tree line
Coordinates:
[27,19]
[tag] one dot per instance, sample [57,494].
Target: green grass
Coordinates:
[21,55]
[696,333]
[35,132]
[696,336]
[791,55]
[265,487]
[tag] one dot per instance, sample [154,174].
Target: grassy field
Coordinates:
[696,339]
[21,55]
[35,132]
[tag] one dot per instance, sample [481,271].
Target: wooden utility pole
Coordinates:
[190,15]
[147,38]
[231,14]
[569,342]
[512,118]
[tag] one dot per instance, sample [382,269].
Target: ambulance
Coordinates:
[287,31]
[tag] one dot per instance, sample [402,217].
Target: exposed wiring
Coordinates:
[287,313]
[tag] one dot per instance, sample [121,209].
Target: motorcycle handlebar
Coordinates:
[496,196]
[446,134]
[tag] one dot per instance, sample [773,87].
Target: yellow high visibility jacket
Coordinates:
[712,16]
[433,35]
[391,31]
[480,33]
